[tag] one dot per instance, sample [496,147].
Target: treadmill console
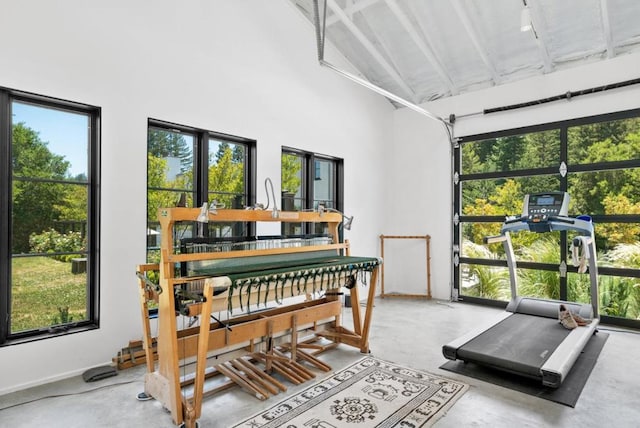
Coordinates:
[538,207]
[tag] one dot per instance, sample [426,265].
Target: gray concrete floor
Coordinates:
[408,332]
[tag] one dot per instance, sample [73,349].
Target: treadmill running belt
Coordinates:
[519,344]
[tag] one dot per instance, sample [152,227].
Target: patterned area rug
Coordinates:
[369,393]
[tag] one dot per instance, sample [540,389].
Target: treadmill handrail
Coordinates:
[555,223]
[494,239]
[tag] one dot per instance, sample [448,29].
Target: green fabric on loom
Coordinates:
[281,266]
[276,272]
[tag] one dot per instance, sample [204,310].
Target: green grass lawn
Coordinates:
[42,288]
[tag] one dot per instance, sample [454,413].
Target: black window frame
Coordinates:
[459,218]
[94,113]
[201,163]
[309,175]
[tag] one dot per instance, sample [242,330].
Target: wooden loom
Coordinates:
[254,333]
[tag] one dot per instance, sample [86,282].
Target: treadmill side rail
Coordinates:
[555,369]
[450,350]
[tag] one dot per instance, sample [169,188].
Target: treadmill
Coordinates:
[528,339]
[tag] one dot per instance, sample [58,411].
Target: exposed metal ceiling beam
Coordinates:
[350,10]
[348,4]
[384,48]
[473,35]
[359,80]
[426,50]
[383,92]
[370,48]
[540,35]
[606,27]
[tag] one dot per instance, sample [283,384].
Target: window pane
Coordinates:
[157,199]
[489,282]
[48,279]
[535,150]
[543,284]
[166,199]
[503,196]
[473,234]
[324,183]
[292,181]
[492,282]
[620,243]
[49,143]
[292,228]
[293,195]
[49,214]
[604,142]
[620,296]
[579,287]
[605,192]
[320,229]
[170,159]
[308,183]
[170,166]
[528,246]
[48,208]
[47,291]
[226,173]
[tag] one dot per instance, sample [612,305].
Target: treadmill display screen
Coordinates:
[545,200]
[539,206]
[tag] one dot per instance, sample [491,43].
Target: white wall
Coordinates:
[246,68]
[418,193]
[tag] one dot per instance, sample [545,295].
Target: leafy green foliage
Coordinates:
[535,282]
[484,281]
[600,191]
[614,296]
[37,204]
[226,176]
[291,166]
[52,241]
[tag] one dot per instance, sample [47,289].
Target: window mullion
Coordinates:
[564,186]
[310,173]
[93,218]
[5,219]
[201,169]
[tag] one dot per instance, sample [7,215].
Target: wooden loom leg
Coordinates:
[147,339]
[355,310]
[168,386]
[382,273]
[201,361]
[294,337]
[269,352]
[364,340]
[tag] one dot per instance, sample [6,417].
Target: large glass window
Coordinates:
[187,167]
[597,161]
[309,180]
[48,216]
